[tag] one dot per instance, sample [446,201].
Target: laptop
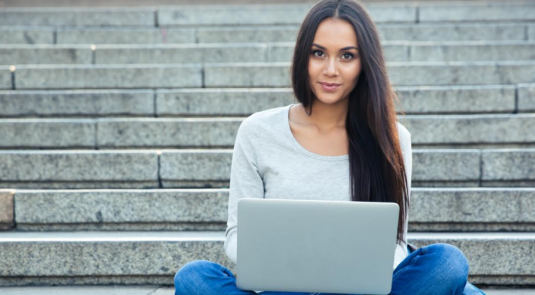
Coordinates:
[342,247]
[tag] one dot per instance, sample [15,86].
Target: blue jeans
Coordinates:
[434,269]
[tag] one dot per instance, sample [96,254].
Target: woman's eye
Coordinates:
[314,52]
[345,55]
[348,54]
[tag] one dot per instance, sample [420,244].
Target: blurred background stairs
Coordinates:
[117,126]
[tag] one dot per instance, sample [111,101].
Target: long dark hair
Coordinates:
[376,166]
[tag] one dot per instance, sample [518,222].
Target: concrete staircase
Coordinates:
[117,127]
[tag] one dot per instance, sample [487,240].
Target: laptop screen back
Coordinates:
[316,246]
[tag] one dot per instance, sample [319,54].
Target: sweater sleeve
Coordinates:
[406,151]
[245,182]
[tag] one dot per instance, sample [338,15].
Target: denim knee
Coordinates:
[186,275]
[452,261]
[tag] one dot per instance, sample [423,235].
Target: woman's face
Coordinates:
[334,59]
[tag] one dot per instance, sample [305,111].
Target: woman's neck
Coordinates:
[326,117]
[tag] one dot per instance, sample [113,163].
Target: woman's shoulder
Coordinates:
[264,118]
[262,124]
[404,136]
[403,131]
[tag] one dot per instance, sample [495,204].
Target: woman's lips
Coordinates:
[329,87]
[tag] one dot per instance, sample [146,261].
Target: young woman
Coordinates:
[341,142]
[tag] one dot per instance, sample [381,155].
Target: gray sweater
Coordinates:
[268,162]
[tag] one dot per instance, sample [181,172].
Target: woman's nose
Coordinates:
[330,68]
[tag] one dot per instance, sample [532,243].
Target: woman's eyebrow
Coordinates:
[345,48]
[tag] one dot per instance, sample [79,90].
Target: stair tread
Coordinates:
[158,290]
[94,236]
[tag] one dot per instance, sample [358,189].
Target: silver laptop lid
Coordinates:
[316,246]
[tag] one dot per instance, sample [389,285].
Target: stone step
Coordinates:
[254,52]
[6,209]
[462,31]
[380,13]
[185,168]
[261,74]
[486,12]
[432,131]
[223,102]
[27,35]
[106,76]
[78,17]
[491,31]
[160,290]
[103,103]
[258,14]
[431,209]
[277,14]
[87,258]
[135,3]
[78,168]
[104,290]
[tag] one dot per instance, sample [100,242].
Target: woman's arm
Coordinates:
[406,151]
[245,182]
